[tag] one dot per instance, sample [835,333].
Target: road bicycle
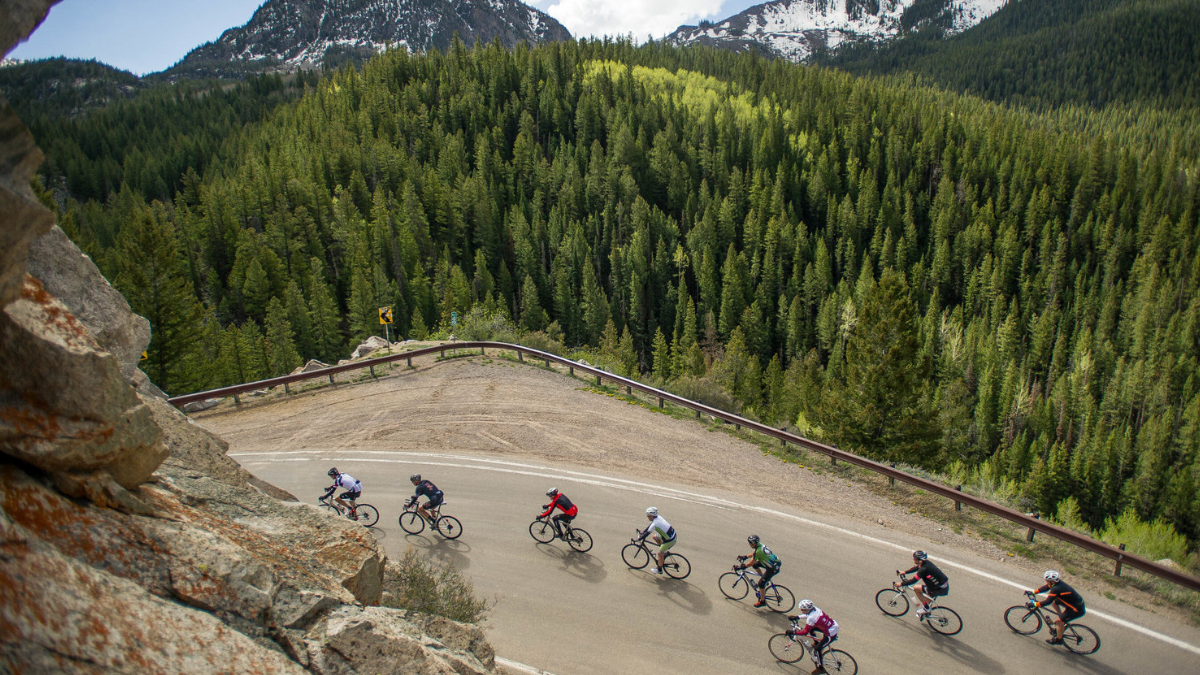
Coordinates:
[737,584]
[637,555]
[1026,620]
[577,538]
[414,523]
[894,602]
[791,648]
[363,514]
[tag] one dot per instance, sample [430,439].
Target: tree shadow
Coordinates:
[447,551]
[583,566]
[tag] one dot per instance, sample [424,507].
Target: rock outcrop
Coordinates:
[129,541]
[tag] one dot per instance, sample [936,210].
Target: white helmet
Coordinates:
[652,512]
[1052,576]
[805,606]
[551,492]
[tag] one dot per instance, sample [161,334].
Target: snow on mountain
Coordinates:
[795,29]
[302,33]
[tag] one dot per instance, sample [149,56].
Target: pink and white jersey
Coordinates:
[818,620]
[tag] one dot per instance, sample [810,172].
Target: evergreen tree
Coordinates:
[282,357]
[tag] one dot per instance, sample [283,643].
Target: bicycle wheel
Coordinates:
[785,649]
[367,515]
[331,509]
[1021,619]
[892,602]
[838,661]
[676,566]
[779,598]
[733,586]
[579,540]
[944,620]
[449,527]
[541,531]
[412,522]
[635,555]
[1080,639]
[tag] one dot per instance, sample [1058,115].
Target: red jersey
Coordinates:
[561,501]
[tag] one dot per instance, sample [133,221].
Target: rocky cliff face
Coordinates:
[129,541]
[290,34]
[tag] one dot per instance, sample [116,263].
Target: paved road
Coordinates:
[578,614]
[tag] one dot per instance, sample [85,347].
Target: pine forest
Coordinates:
[1004,296]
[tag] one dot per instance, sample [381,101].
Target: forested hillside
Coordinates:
[1042,53]
[924,277]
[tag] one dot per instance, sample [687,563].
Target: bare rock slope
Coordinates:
[129,541]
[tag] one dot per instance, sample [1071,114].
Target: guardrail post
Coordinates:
[483,351]
[572,369]
[372,369]
[833,459]
[285,389]
[958,504]
[892,479]
[598,381]
[521,357]
[547,362]
[697,414]
[1117,569]
[409,359]
[628,390]
[331,379]
[660,401]
[1031,532]
[737,426]
[236,400]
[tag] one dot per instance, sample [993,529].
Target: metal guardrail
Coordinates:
[1034,524]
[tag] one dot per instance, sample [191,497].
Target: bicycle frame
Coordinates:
[749,574]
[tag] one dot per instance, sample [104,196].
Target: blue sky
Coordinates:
[145,36]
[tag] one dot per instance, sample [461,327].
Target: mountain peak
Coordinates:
[292,34]
[796,29]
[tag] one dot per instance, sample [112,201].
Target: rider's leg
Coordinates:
[919,591]
[1059,625]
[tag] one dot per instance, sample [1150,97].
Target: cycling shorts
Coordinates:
[350,494]
[935,592]
[1069,614]
[767,574]
[666,545]
[435,500]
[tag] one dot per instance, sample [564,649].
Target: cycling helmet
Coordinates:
[1052,576]
[652,512]
[551,492]
[805,606]
[920,555]
[416,478]
[333,471]
[752,540]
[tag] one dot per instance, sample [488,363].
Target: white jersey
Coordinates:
[816,619]
[347,482]
[660,526]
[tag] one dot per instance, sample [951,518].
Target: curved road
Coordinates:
[574,614]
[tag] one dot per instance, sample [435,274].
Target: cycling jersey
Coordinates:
[427,489]
[347,482]
[1063,593]
[662,528]
[763,556]
[561,501]
[934,578]
[818,620]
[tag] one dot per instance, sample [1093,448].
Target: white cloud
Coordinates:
[623,17]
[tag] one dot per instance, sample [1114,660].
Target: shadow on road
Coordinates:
[583,566]
[956,649]
[1069,662]
[685,595]
[776,620]
[447,551]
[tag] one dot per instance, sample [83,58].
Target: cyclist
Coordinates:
[661,533]
[353,490]
[429,491]
[764,561]
[1066,600]
[562,522]
[935,585]
[815,621]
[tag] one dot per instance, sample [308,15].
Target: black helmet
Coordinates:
[333,471]
[416,478]
[752,540]
[920,555]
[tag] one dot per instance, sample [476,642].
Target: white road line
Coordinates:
[658,491]
[513,665]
